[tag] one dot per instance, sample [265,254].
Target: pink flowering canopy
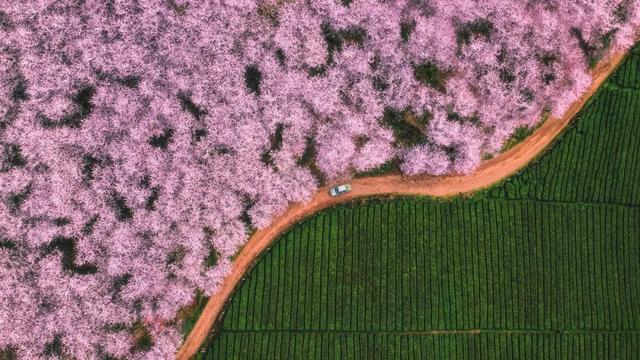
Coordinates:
[141,141]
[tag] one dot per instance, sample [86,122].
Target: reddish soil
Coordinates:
[489,173]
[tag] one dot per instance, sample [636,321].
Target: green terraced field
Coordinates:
[543,266]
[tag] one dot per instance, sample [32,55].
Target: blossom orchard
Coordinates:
[142,141]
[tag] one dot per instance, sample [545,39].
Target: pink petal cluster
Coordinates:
[141,141]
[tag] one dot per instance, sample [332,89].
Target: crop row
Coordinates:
[508,346]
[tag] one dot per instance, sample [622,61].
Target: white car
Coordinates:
[340,189]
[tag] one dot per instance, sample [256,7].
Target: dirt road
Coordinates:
[489,173]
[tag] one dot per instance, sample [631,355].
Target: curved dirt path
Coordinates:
[489,173]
